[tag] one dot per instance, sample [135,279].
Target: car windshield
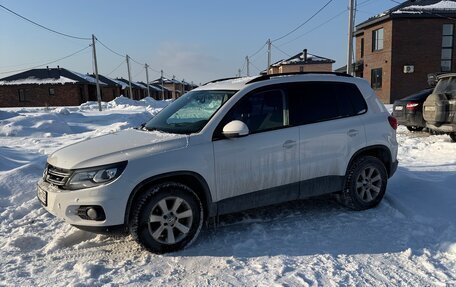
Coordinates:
[189,113]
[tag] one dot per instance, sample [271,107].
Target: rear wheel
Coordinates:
[365,184]
[453,136]
[168,217]
[414,128]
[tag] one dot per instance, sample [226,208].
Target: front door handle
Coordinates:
[289,144]
[352,133]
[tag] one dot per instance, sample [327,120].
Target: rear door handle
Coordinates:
[352,133]
[289,144]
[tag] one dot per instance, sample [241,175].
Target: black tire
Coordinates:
[414,128]
[365,183]
[453,136]
[166,218]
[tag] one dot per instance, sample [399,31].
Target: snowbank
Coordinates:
[408,240]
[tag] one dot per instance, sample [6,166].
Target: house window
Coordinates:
[447,47]
[301,68]
[376,78]
[51,92]
[377,40]
[22,95]
[362,47]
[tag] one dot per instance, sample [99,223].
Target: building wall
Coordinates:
[421,48]
[38,95]
[109,93]
[377,59]
[327,67]
[404,45]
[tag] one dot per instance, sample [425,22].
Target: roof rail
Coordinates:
[267,77]
[220,80]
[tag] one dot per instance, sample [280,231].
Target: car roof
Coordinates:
[418,95]
[239,83]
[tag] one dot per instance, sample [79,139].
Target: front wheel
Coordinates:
[166,218]
[365,183]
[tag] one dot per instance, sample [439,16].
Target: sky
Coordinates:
[195,41]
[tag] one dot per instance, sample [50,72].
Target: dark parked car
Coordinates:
[409,110]
[440,107]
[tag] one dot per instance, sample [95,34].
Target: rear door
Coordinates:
[330,132]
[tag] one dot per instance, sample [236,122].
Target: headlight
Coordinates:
[90,177]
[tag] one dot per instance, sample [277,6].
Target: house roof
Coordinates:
[106,80]
[152,87]
[414,9]
[125,84]
[49,76]
[298,59]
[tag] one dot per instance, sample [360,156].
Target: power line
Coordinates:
[44,27]
[48,63]
[315,28]
[305,22]
[259,50]
[281,50]
[109,49]
[116,68]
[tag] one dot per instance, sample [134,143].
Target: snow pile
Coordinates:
[33,80]
[408,240]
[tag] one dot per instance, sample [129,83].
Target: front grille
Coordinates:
[56,176]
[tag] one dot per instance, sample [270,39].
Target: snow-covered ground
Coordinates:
[408,240]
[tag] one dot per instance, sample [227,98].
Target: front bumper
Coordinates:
[65,204]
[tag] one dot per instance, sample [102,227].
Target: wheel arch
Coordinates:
[379,151]
[191,179]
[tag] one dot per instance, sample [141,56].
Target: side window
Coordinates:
[313,102]
[260,111]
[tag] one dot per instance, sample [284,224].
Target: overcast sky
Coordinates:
[193,40]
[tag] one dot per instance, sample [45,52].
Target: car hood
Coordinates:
[116,147]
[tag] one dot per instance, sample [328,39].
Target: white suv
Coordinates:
[227,146]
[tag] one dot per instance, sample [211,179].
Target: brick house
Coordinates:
[139,91]
[110,90]
[302,62]
[47,87]
[398,48]
[173,85]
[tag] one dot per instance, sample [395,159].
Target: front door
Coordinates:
[265,160]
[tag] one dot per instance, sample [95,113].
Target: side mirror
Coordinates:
[235,129]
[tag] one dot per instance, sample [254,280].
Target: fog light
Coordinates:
[91,212]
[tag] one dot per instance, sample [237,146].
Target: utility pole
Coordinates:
[129,77]
[163,89]
[269,55]
[147,79]
[96,73]
[239,73]
[351,8]
[248,65]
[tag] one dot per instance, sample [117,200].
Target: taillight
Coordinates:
[393,122]
[411,106]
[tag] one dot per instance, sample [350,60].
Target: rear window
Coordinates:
[446,86]
[312,102]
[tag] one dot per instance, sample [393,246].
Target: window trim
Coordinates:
[22,98]
[375,40]
[446,48]
[381,77]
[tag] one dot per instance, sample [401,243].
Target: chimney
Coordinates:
[58,67]
[304,55]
